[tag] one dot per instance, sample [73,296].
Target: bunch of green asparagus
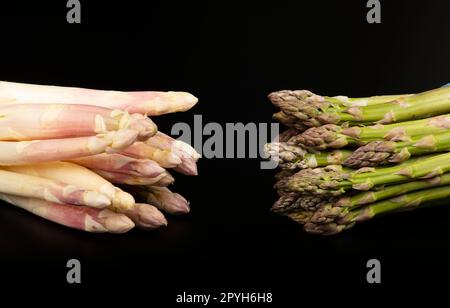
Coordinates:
[63,150]
[346,160]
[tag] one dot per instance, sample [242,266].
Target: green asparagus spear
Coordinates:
[293,202]
[301,216]
[408,201]
[332,210]
[289,121]
[331,136]
[288,134]
[334,181]
[316,113]
[294,157]
[308,97]
[380,152]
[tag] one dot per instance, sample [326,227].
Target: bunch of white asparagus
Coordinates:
[63,149]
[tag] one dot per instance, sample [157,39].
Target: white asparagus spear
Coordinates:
[120,164]
[146,216]
[54,121]
[25,185]
[164,142]
[144,102]
[186,153]
[26,152]
[163,179]
[188,166]
[80,176]
[165,200]
[72,216]
[165,158]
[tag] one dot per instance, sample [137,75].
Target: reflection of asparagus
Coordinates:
[383,152]
[293,157]
[331,136]
[403,202]
[332,210]
[333,180]
[315,112]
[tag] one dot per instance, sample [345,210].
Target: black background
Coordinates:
[230,55]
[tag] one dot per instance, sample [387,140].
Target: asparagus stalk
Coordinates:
[407,201]
[290,156]
[334,180]
[146,216]
[284,173]
[329,136]
[147,103]
[165,158]
[284,202]
[79,176]
[300,107]
[419,106]
[288,134]
[302,217]
[293,202]
[54,121]
[120,164]
[164,199]
[162,179]
[26,152]
[24,185]
[188,166]
[186,153]
[345,204]
[335,137]
[307,97]
[289,121]
[384,152]
[164,142]
[77,217]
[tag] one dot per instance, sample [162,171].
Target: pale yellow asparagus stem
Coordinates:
[141,150]
[120,164]
[146,216]
[72,216]
[55,121]
[149,103]
[163,179]
[27,152]
[80,176]
[26,185]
